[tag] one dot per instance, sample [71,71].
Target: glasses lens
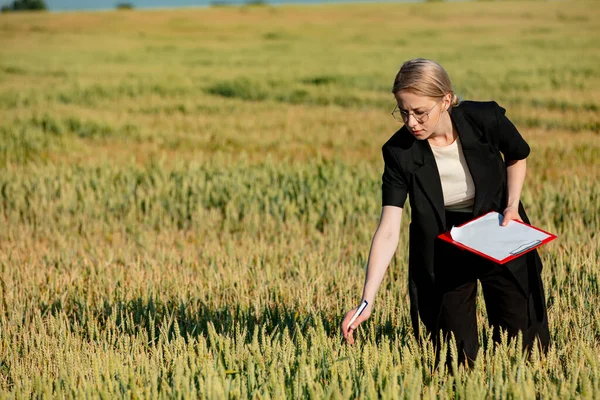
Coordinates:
[403,117]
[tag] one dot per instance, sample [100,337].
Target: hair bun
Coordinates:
[455,100]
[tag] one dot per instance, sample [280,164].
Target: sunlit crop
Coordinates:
[187,198]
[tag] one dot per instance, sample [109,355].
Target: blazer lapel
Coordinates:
[428,177]
[478,157]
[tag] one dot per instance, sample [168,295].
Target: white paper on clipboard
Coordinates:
[487,236]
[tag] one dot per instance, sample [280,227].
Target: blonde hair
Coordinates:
[426,78]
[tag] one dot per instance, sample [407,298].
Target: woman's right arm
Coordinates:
[383,247]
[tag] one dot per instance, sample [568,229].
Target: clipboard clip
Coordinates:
[524,247]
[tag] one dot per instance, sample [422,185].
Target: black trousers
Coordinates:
[509,303]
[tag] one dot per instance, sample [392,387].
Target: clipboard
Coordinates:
[511,251]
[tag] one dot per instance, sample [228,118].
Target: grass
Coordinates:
[187,197]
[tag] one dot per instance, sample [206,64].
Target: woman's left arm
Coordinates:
[515,176]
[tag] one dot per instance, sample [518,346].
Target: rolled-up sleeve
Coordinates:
[510,142]
[393,186]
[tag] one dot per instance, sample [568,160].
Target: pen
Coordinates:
[361,308]
[525,247]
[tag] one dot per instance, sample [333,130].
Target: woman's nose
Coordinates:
[411,121]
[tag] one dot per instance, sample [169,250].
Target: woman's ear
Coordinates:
[447,101]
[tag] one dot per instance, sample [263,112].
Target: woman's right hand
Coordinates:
[348,331]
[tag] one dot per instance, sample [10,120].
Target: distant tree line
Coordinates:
[124,6]
[24,5]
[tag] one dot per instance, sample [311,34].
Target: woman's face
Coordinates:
[421,114]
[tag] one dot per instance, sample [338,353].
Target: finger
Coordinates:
[350,338]
[356,323]
[350,328]
[350,333]
[361,318]
[345,331]
[507,218]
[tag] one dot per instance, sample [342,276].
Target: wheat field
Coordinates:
[187,198]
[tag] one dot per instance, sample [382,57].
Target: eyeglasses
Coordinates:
[402,116]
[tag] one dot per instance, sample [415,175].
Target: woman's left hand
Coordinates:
[511,213]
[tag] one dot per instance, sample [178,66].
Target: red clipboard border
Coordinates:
[447,238]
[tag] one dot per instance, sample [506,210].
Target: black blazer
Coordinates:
[410,170]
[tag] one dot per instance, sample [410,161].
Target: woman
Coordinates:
[447,158]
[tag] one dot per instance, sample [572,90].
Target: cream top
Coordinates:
[457,183]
